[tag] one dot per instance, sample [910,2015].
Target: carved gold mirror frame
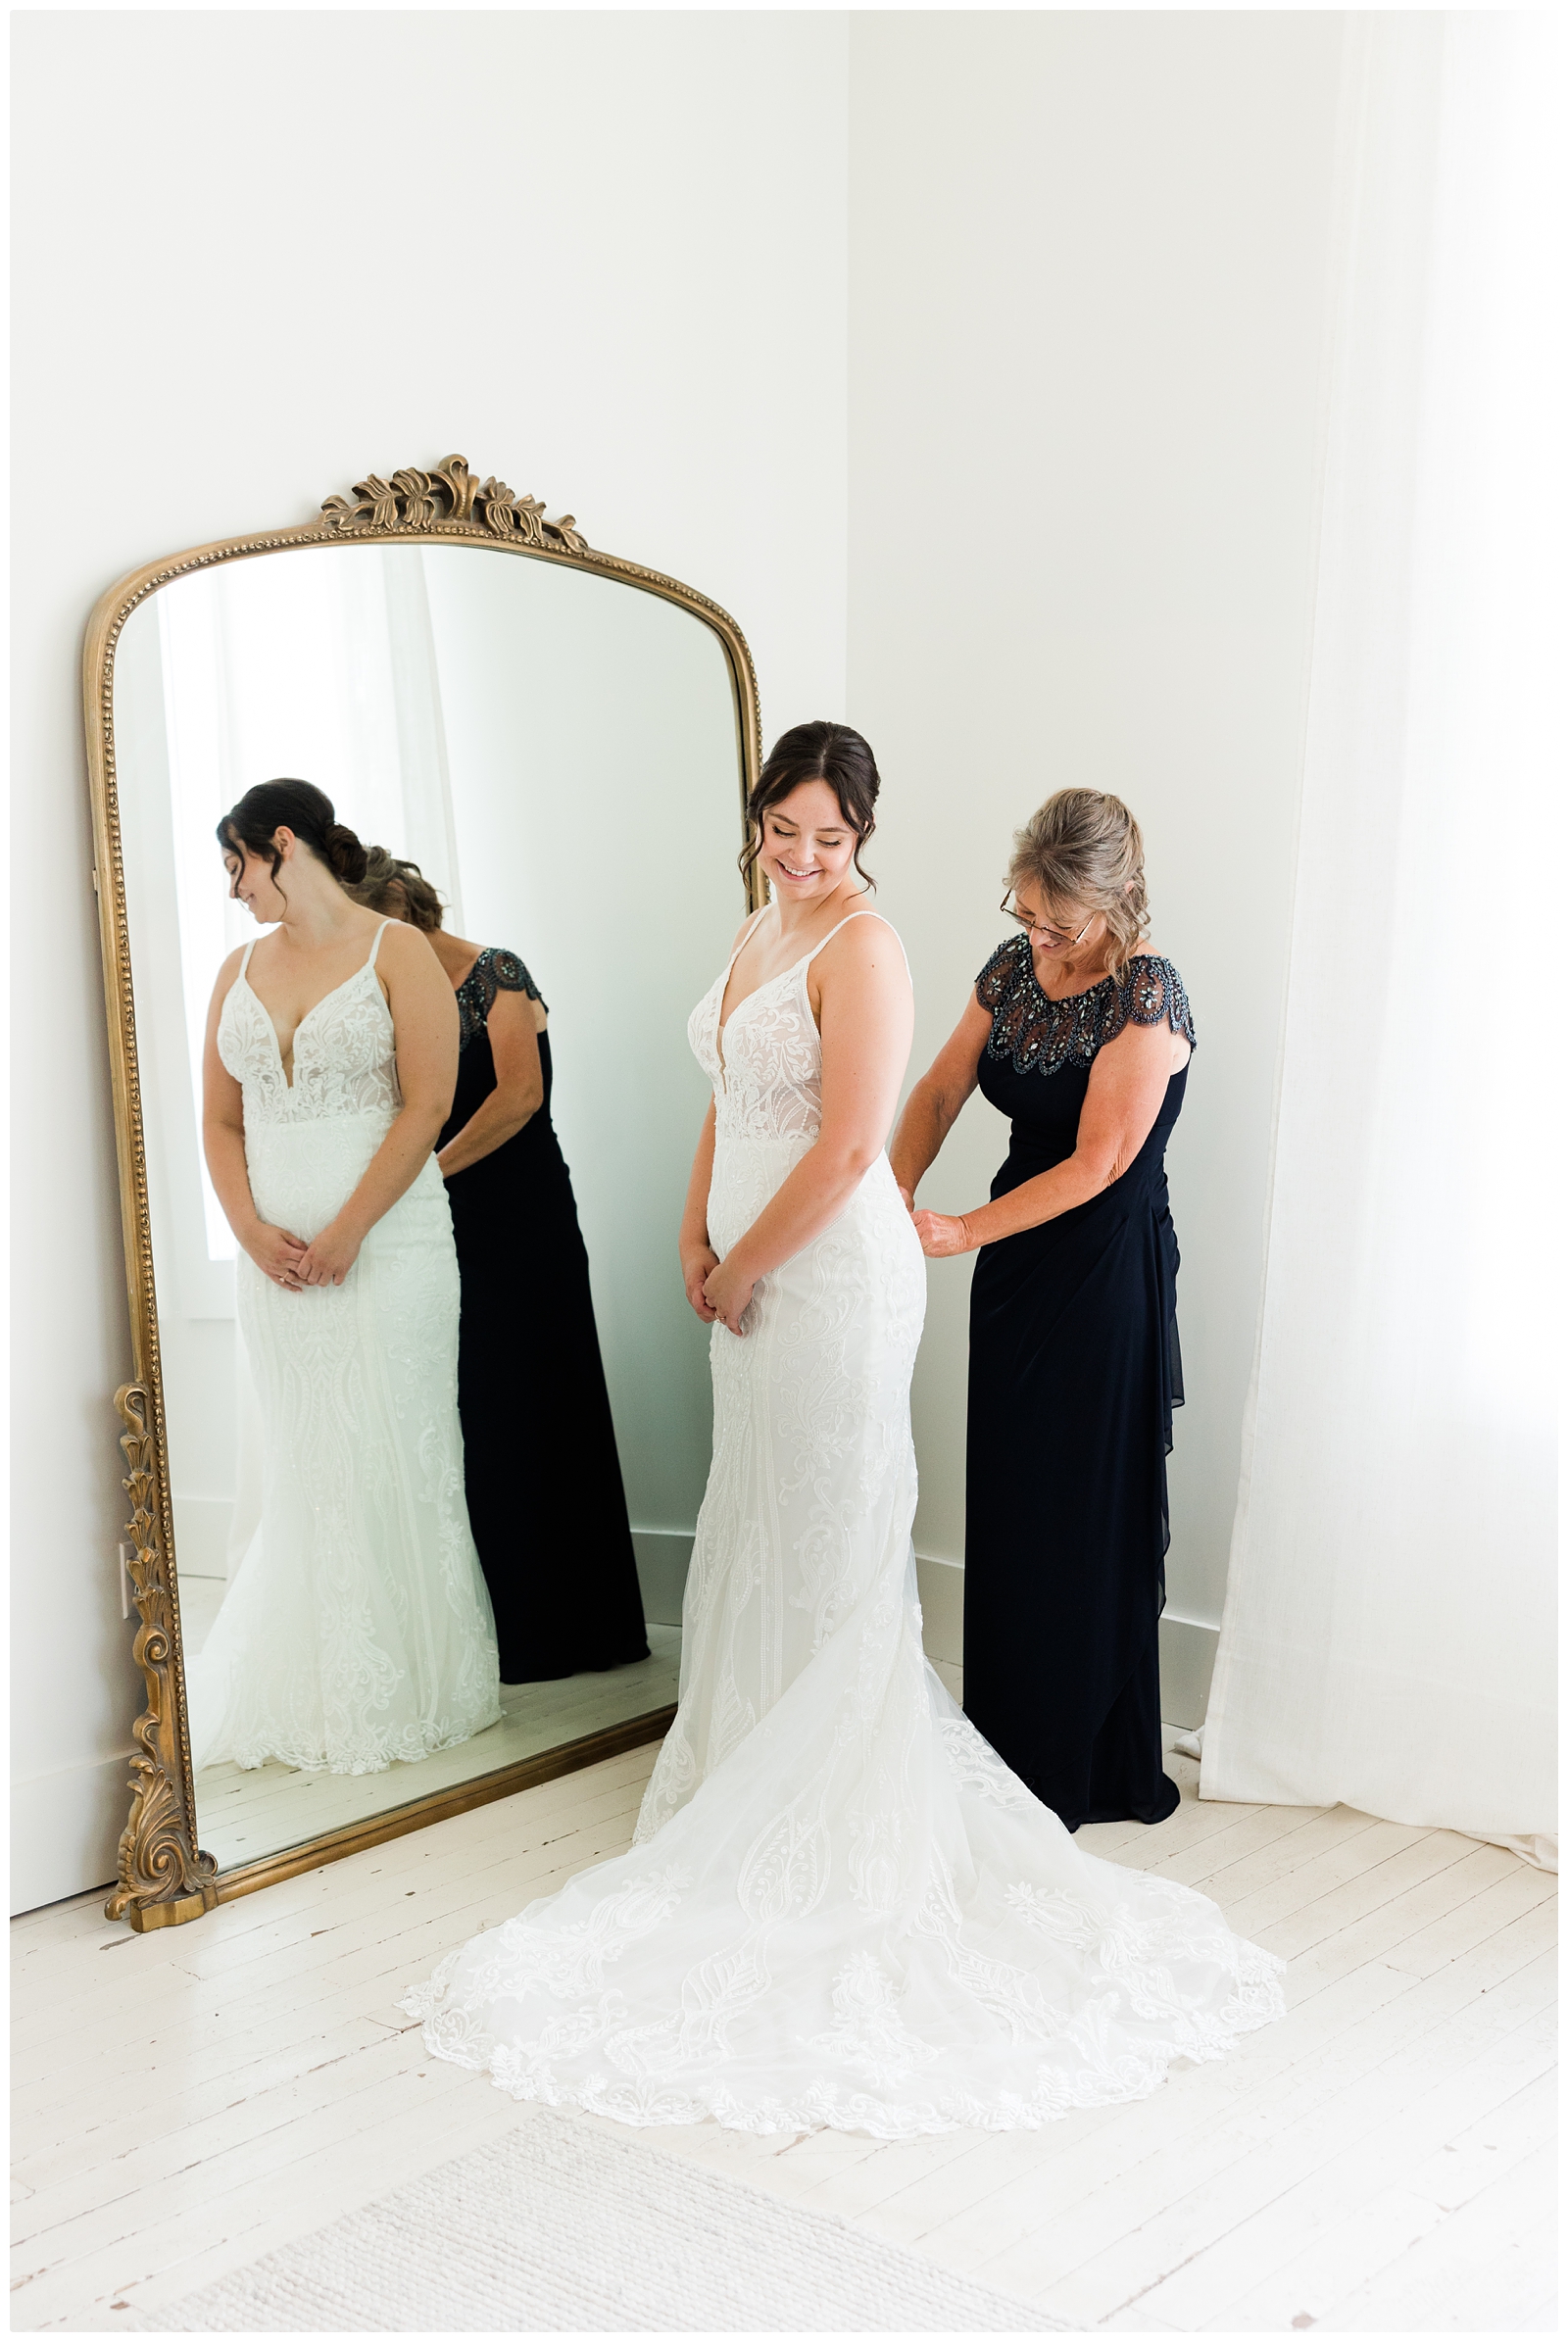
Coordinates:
[165,1878]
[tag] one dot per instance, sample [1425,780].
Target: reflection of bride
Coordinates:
[358,1631]
[840,1908]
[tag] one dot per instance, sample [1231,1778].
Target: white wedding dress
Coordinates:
[357,1632]
[840,1908]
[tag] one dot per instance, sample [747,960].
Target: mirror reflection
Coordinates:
[437,1417]
[522,1262]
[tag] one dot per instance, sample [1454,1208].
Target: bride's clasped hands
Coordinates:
[719,1290]
[276,1251]
[727,1295]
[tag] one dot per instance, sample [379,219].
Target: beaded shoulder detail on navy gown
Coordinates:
[495,971]
[1036,1034]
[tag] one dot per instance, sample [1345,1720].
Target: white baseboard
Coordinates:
[64,1831]
[664,1556]
[1187,1650]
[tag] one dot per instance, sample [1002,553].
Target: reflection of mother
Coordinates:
[1081,1034]
[543,1479]
[358,1630]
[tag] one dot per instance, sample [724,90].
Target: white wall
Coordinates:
[1086,300]
[256,256]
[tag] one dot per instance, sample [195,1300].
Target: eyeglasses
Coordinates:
[1053,937]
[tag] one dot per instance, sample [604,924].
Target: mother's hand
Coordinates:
[941,1236]
[727,1293]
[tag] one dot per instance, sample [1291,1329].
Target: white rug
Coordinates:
[557,2228]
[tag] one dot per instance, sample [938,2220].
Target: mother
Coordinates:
[545,1500]
[1081,1034]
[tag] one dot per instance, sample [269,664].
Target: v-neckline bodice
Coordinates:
[722,1022]
[366,967]
[283,1064]
[766,984]
[786,1002]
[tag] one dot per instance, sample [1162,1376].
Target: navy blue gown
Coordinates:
[1074,1369]
[542,1477]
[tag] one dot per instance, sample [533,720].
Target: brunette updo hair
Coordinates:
[299,806]
[387,876]
[819,752]
[1085,846]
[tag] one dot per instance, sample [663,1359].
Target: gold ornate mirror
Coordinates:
[559,742]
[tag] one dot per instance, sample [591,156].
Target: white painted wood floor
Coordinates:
[1382,2162]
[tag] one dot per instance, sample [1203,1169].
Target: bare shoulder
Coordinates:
[865,953]
[403,950]
[864,939]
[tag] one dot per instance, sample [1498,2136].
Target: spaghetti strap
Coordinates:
[839,929]
[797,968]
[246,962]
[746,934]
[376,946]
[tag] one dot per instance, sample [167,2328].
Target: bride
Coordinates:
[358,1630]
[840,1908]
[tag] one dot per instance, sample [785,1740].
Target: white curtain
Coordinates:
[1389,1636]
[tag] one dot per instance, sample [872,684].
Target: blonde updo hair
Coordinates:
[1085,846]
[387,876]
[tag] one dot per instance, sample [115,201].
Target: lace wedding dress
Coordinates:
[357,1632]
[840,1909]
